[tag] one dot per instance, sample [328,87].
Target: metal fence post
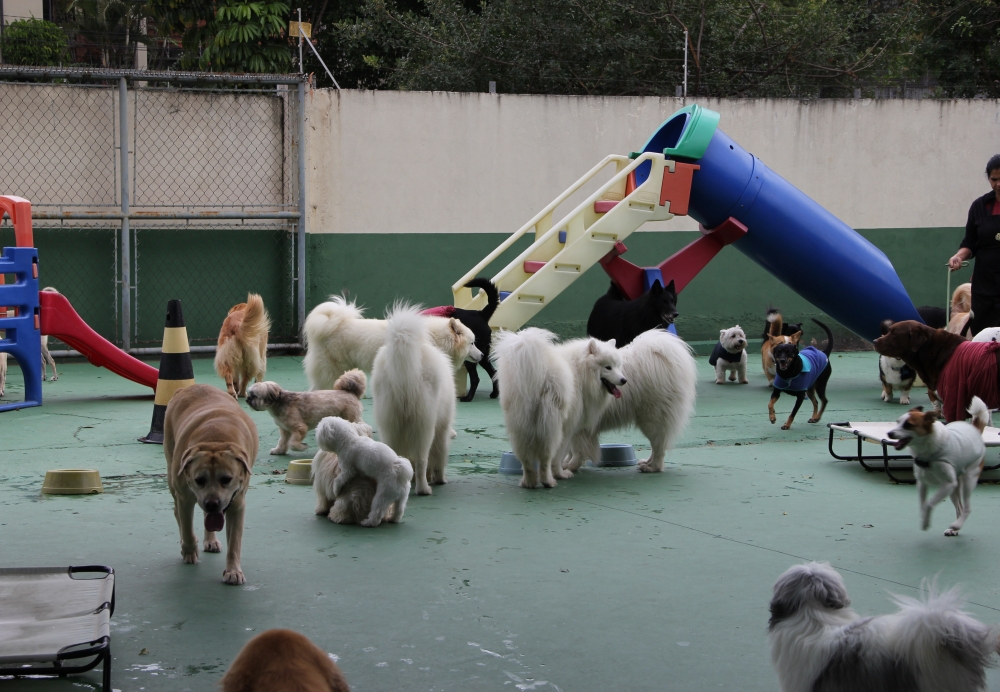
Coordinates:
[126,240]
[301,226]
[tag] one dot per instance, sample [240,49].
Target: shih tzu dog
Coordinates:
[818,644]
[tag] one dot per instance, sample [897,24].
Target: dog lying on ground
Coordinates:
[730,354]
[615,318]
[210,444]
[339,338]
[894,372]
[283,661]
[359,456]
[296,413]
[551,392]
[953,369]
[818,644]
[479,322]
[775,328]
[413,387]
[659,399]
[801,373]
[947,456]
[241,354]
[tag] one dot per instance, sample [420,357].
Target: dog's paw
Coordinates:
[54,378]
[744,381]
[530,485]
[951,532]
[277,451]
[547,483]
[925,522]
[213,546]
[370,523]
[649,467]
[886,397]
[233,577]
[786,426]
[904,400]
[813,420]
[190,558]
[300,447]
[720,382]
[424,490]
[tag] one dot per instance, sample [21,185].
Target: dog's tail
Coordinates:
[352,382]
[326,318]
[829,338]
[492,296]
[521,359]
[980,414]
[256,322]
[406,328]
[950,647]
[774,323]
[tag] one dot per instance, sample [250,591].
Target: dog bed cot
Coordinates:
[877,433]
[52,617]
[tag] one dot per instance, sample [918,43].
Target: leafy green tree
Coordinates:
[33,42]
[957,47]
[106,32]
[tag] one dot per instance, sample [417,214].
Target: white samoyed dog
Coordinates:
[413,387]
[730,355]
[339,338]
[359,455]
[659,399]
[549,393]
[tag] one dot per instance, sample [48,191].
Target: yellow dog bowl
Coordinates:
[72,482]
[298,472]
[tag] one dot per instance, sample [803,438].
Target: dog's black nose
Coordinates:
[212,506]
[624,381]
[675,314]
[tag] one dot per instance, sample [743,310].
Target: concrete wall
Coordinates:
[423,162]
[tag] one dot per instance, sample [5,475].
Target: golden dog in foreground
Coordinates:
[210,444]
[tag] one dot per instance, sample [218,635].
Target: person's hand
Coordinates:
[955,263]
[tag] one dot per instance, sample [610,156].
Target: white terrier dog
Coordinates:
[359,455]
[819,643]
[549,393]
[730,355]
[413,387]
[948,456]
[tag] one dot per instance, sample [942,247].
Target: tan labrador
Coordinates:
[210,444]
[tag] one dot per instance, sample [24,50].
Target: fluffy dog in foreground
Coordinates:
[241,354]
[339,338]
[659,399]
[818,644]
[730,355]
[210,444]
[555,392]
[296,413]
[413,386]
[283,661]
[947,456]
[359,456]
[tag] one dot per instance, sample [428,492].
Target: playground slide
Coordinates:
[59,319]
[816,254]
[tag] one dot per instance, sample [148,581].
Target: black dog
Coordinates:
[479,322]
[933,317]
[614,317]
[801,373]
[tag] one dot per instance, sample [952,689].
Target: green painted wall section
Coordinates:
[377,269]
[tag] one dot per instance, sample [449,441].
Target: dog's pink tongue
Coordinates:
[617,392]
[214,521]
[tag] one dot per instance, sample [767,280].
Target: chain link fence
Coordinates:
[203,203]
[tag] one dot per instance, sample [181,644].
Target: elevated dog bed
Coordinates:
[51,617]
[877,433]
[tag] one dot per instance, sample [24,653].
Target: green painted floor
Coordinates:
[612,580]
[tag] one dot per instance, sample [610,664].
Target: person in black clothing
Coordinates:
[982,241]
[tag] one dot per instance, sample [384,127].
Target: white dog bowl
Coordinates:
[298,472]
[72,482]
[614,454]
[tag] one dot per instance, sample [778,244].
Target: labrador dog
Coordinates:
[210,444]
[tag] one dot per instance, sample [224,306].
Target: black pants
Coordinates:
[986,312]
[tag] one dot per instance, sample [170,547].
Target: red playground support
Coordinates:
[680,267]
[60,320]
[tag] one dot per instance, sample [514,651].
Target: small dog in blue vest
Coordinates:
[801,373]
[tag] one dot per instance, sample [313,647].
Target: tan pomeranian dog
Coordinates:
[241,354]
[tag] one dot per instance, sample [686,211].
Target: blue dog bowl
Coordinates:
[510,464]
[614,454]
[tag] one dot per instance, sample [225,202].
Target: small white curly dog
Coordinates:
[359,455]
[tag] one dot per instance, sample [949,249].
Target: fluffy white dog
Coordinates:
[947,456]
[819,643]
[659,399]
[413,387]
[549,393]
[339,338]
[359,455]
[730,355]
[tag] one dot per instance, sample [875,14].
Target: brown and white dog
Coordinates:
[210,444]
[947,456]
[241,354]
[296,413]
[283,661]
[776,332]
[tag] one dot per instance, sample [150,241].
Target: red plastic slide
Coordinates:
[59,319]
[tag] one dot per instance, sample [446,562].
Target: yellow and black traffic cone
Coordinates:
[176,371]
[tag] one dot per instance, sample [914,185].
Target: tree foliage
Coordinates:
[33,42]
